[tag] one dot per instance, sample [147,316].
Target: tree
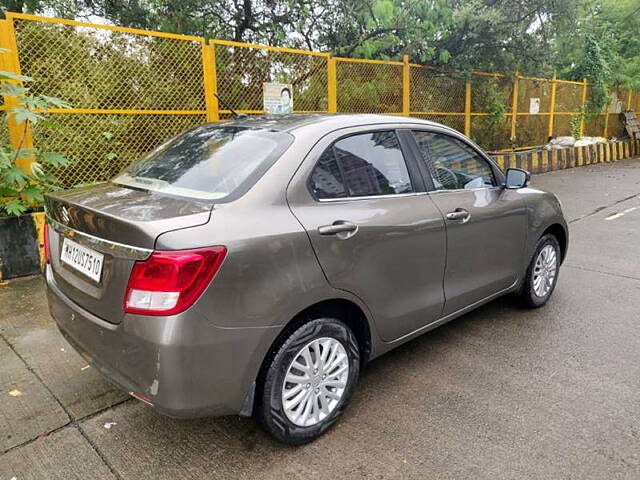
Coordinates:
[617,24]
[464,34]
[604,48]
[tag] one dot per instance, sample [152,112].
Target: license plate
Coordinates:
[82,259]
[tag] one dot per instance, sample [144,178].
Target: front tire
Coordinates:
[542,273]
[309,381]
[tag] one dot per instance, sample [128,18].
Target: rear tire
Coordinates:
[309,381]
[542,273]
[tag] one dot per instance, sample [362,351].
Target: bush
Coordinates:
[21,190]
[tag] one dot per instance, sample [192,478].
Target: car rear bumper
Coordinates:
[183,364]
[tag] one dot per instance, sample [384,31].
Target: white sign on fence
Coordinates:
[277,98]
[534,106]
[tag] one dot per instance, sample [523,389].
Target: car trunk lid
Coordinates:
[121,224]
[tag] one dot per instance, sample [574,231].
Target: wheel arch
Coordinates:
[343,309]
[561,235]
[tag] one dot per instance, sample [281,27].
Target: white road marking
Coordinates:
[620,214]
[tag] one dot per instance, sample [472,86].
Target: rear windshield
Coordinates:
[209,162]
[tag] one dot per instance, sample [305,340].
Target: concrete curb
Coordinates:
[541,161]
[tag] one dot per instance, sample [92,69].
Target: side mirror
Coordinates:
[516,178]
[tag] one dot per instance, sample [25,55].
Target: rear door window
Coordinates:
[366,164]
[210,162]
[326,178]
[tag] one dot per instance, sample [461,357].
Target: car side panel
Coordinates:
[543,211]
[395,260]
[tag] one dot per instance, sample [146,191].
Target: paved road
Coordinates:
[500,393]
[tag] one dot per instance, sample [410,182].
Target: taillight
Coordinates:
[47,252]
[169,282]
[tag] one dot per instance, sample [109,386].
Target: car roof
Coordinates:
[294,121]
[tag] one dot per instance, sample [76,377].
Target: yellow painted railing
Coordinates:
[133,89]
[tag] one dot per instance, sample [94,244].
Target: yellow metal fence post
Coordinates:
[514,107]
[19,134]
[406,92]
[332,94]
[210,81]
[467,109]
[582,105]
[552,105]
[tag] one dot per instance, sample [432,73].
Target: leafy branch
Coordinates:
[22,189]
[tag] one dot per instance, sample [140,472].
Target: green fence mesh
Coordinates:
[242,71]
[432,91]
[368,87]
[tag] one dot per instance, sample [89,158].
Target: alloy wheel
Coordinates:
[315,381]
[544,271]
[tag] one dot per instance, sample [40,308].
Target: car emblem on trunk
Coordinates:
[64,215]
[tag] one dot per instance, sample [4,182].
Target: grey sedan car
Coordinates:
[253,267]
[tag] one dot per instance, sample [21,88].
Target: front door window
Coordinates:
[454,165]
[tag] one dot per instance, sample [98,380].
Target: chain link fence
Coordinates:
[131,90]
[491,110]
[368,86]
[436,96]
[242,69]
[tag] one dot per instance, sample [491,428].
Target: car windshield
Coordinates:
[209,162]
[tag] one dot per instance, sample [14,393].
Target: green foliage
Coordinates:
[496,101]
[21,190]
[604,47]
[113,70]
[13,76]
[574,124]
[111,156]
[535,38]
[616,24]
[54,159]
[481,34]
[491,95]
[595,68]
[14,207]
[33,194]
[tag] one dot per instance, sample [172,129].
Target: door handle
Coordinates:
[339,226]
[459,214]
